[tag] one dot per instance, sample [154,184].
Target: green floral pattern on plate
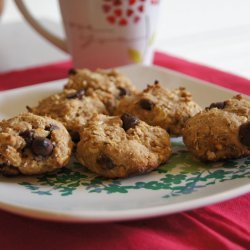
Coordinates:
[183,174]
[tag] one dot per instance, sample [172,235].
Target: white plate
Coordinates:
[75,195]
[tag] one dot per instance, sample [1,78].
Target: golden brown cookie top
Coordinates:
[237,104]
[125,144]
[109,85]
[161,107]
[72,107]
[216,134]
[32,144]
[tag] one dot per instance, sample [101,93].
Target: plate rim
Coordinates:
[132,214]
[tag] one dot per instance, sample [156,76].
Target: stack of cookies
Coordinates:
[113,129]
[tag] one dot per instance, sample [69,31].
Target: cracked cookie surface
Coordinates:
[216,134]
[114,146]
[31,144]
[71,107]
[161,107]
[237,105]
[108,85]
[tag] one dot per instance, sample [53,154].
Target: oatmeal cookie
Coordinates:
[161,107]
[114,146]
[31,144]
[236,104]
[216,134]
[109,85]
[71,107]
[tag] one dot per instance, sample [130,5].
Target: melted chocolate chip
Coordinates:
[51,127]
[28,136]
[105,161]
[79,94]
[218,105]
[244,134]
[75,136]
[168,130]
[71,96]
[123,91]
[72,72]
[129,121]
[146,104]
[29,109]
[156,82]
[42,146]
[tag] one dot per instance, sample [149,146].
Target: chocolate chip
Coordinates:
[28,136]
[28,108]
[129,121]
[244,134]
[75,136]
[146,104]
[51,127]
[156,82]
[105,161]
[71,96]
[72,72]
[168,130]
[42,146]
[123,91]
[79,94]
[218,105]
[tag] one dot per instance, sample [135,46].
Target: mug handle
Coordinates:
[58,42]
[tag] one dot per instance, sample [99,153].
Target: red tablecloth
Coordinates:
[225,225]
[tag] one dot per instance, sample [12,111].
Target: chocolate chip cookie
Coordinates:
[31,144]
[237,104]
[71,107]
[108,85]
[120,146]
[161,107]
[216,134]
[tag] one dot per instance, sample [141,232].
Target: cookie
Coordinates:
[108,85]
[71,107]
[114,146]
[160,107]
[31,144]
[216,134]
[236,104]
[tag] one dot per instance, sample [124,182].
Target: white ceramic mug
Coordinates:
[104,33]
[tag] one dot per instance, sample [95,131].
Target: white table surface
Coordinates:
[214,33]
